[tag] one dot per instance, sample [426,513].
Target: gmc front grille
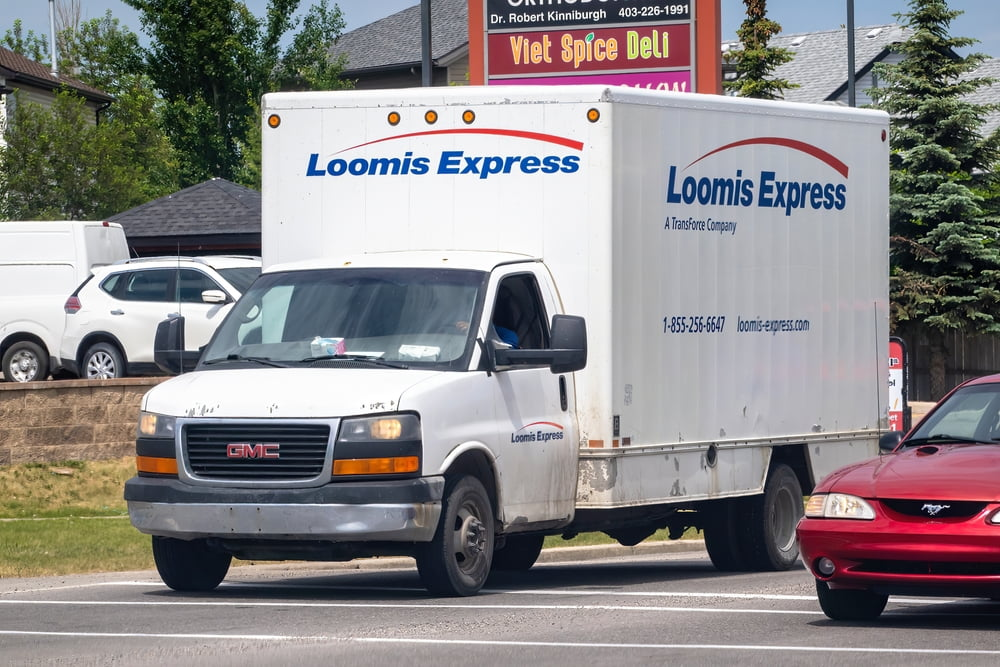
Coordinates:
[256,452]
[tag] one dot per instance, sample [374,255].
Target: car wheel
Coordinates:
[457,561]
[519,553]
[25,361]
[189,566]
[849,605]
[770,541]
[103,361]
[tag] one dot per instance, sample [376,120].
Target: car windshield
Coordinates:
[971,414]
[240,277]
[393,317]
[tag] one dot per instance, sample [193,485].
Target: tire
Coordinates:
[189,566]
[849,605]
[25,361]
[724,537]
[102,361]
[769,538]
[519,553]
[457,561]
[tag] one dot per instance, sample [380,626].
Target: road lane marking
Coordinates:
[882,650]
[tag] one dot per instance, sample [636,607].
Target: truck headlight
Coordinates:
[152,425]
[839,506]
[379,445]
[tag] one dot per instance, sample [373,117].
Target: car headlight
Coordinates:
[839,506]
[152,425]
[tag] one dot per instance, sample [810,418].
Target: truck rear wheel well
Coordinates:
[475,464]
[794,456]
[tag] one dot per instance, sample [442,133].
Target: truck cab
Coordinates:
[391,397]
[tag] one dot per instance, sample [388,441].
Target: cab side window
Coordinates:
[191,283]
[519,317]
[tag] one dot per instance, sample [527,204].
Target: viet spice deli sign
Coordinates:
[638,43]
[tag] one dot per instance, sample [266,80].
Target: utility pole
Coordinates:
[851,93]
[426,68]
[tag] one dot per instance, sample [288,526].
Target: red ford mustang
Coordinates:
[922,519]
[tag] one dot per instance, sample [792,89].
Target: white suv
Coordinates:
[112,316]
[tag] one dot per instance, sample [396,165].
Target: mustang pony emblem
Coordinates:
[932,509]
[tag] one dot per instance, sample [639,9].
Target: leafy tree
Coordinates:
[59,165]
[31,45]
[124,162]
[944,240]
[756,61]
[212,60]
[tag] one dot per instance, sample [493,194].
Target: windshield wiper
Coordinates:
[263,361]
[355,357]
[941,438]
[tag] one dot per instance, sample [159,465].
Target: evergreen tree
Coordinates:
[756,61]
[944,245]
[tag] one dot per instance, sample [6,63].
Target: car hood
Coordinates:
[952,472]
[283,393]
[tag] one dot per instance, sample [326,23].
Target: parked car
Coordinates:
[112,316]
[40,262]
[921,519]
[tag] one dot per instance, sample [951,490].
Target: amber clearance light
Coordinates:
[156,465]
[381,466]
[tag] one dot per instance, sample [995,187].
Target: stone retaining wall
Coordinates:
[69,420]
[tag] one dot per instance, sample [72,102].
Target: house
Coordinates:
[388,53]
[214,217]
[34,82]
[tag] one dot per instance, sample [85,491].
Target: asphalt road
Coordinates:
[654,604]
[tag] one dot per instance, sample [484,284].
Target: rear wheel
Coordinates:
[102,361]
[724,535]
[457,561]
[25,361]
[189,566]
[519,552]
[770,522]
[849,605]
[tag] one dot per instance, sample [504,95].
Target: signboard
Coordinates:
[898,414]
[640,43]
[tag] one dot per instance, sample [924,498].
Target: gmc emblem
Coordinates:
[256,450]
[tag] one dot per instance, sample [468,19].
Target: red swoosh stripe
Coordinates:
[535,136]
[808,149]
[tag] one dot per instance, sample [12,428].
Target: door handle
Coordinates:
[117,311]
[171,315]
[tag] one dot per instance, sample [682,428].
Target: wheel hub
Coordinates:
[474,537]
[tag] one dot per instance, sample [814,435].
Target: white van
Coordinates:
[41,263]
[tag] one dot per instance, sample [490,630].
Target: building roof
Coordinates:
[820,62]
[395,41]
[216,206]
[16,69]
[990,69]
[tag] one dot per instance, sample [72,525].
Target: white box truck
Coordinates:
[41,263]
[491,315]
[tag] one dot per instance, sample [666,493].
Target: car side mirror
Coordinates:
[214,296]
[888,441]
[567,352]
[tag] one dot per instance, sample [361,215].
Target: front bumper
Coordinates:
[905,557]
[395,511]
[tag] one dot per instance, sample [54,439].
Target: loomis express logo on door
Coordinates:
[552,154]
[538,432]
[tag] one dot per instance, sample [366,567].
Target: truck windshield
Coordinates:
[411,317]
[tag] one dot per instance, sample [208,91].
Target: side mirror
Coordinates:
[214,296]
[568,351]
[888,441]
[168,348]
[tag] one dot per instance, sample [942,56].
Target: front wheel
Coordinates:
[849,605]
[189,566]
[457,561]
[103,361]
[25,361]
